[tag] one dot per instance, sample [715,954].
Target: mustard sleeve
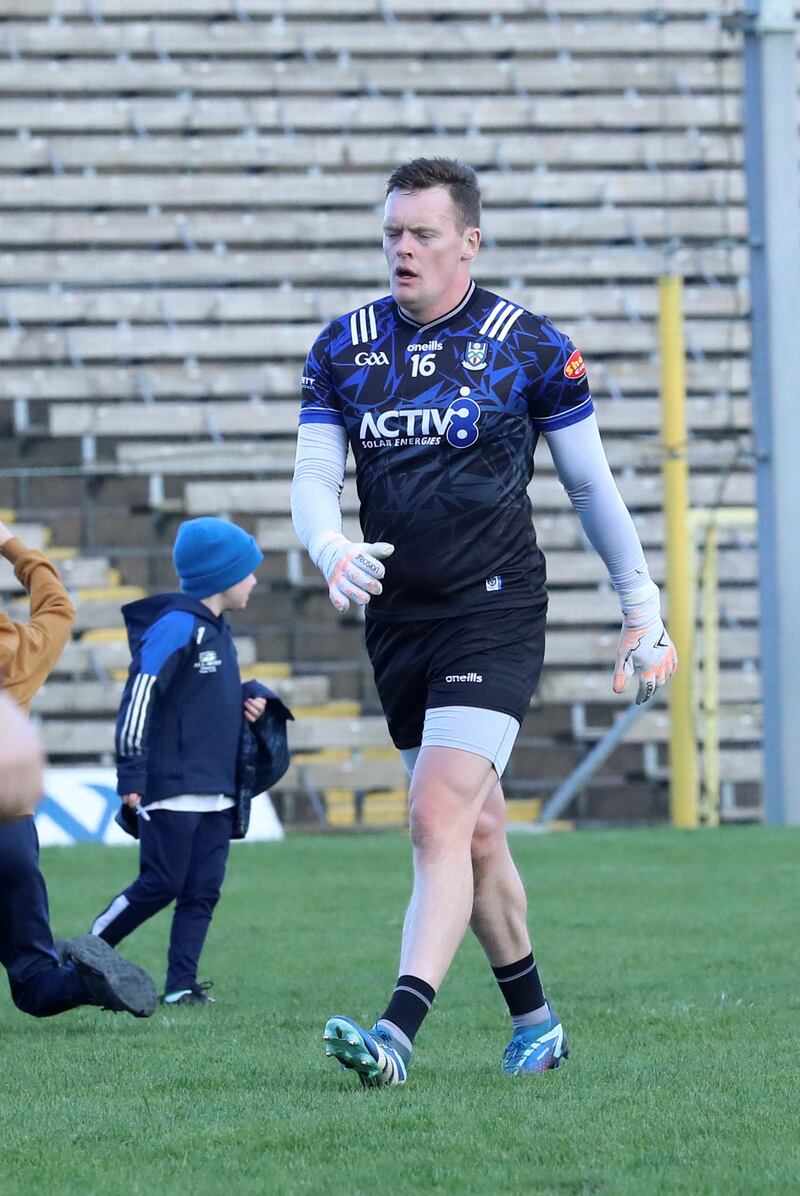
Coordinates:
[28,651]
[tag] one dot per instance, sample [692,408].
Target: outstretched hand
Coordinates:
[646,652]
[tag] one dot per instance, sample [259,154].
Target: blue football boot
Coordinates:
[373,1054]
[536,1049]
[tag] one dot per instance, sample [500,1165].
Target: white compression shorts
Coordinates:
[487,733]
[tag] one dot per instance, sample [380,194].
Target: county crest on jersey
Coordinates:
[442,420]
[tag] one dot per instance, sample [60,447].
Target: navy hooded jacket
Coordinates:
[263,758]
[181,714]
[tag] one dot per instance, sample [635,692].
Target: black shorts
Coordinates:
[490,662]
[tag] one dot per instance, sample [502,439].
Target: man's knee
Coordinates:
[439,816]
[489,842]
[448,789]
[488,837]
[423,829]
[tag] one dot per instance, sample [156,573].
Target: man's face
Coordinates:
[428,257]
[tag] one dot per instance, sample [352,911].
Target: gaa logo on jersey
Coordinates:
[475,356]
[575,367]
[371,359]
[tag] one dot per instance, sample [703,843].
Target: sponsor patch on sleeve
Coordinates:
[575,367]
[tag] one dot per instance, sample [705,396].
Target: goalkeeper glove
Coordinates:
[353,571]
[645,649]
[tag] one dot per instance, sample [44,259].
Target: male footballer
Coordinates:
[441,390]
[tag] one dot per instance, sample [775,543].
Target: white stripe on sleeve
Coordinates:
[512,319]
[130,738]
[487,323]
[139,725]
[126,726]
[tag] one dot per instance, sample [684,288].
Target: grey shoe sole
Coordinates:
[130,986]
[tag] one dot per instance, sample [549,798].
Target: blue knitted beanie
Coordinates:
[210,555]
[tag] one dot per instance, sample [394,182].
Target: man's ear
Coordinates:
[472,243]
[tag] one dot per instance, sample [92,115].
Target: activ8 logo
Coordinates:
[458,424]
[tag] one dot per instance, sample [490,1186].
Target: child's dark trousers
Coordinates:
[182,858]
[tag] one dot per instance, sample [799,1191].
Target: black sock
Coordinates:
[520,985]
[409,1005]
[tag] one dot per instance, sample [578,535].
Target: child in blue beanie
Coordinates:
[177,738]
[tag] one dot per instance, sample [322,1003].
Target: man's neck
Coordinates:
[440,312]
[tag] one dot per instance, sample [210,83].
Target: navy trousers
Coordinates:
[39,984]
[182,858]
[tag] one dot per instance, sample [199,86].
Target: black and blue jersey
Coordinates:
[443,419]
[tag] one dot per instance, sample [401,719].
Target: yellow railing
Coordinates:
[705,524]
[683,784]
[690,804]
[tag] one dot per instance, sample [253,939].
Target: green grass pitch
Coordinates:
[671,957]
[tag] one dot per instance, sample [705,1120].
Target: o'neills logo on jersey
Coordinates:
[428,347]
[451,677]
[457,425]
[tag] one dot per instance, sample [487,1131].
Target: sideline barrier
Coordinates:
[80,803]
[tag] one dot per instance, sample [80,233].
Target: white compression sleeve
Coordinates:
[317,484]
[581,464]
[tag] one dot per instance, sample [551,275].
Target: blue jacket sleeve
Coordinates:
[155,664]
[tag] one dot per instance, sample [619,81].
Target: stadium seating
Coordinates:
[189,190]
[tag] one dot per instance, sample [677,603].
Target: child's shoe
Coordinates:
[196,995]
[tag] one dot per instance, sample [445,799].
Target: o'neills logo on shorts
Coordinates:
[464,677]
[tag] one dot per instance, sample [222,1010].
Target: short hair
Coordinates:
[460,181]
